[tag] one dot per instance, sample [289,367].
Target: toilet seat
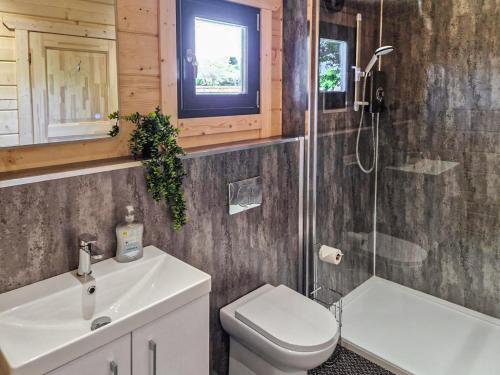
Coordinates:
[289,320]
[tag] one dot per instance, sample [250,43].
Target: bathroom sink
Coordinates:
[51,322]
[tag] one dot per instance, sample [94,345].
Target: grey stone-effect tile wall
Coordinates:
[39,225]
[295,64]
[444,104]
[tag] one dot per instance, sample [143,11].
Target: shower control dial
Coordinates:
[379,94]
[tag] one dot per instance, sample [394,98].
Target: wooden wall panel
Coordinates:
[9,140]
[217,125]
[138,54]
[24,102]
[7,73]
[8,122]
[136,16]
[4,31]
[266,84]
[262,4]
[277,73]
[8,104]
[68,17]
[59,26]
[8,92]
[139,93]
[139,82]
[69,10]
[7,49]
[213,139]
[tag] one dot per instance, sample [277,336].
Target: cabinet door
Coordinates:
[74,86]
[110,359]
[176,344]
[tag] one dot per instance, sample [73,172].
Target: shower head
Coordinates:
[384,50]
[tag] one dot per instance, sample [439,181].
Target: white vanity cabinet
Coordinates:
[110,359]
[175,344]
[159,311]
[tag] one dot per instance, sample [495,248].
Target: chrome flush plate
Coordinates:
[245,194]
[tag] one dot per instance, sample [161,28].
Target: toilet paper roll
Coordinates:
[330,254]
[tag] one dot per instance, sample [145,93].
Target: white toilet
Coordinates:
[277,331]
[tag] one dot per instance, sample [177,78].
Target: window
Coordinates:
[332,65]
[220,62]
[336,55]
[218,51]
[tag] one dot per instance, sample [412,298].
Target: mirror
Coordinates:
[58,70]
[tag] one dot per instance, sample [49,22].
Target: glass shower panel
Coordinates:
[426,218]
[439,198]
[344,194]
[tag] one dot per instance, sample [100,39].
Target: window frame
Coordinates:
[209,131]
[193,105]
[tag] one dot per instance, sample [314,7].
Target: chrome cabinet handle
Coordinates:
[152,348]
[113,367]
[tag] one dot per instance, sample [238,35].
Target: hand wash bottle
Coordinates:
[129,238]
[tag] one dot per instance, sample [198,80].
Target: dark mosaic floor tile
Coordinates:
[345,362]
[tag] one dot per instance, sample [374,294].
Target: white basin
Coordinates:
[48,323]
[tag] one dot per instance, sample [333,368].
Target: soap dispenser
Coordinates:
[129,238]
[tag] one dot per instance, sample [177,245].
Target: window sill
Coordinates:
[18,178]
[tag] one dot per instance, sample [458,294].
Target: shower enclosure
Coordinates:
[340,201]
[420,233]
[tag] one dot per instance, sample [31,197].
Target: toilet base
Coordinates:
[244,362]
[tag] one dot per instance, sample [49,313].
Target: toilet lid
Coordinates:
[290,320]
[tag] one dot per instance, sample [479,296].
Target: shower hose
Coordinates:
[374,138]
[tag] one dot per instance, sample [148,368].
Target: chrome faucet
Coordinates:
[88,250]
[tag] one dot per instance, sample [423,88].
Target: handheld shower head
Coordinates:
[384,50]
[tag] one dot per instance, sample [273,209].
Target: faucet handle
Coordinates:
[96,253]
[88,243]
[86,239]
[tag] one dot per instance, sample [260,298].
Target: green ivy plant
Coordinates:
[155,140]
[330,79]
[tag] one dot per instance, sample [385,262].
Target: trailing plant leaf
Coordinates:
[115,129]
[155,140]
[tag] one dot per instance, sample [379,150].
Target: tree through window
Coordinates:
[332,65]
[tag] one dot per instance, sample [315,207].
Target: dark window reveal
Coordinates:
[218,51]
